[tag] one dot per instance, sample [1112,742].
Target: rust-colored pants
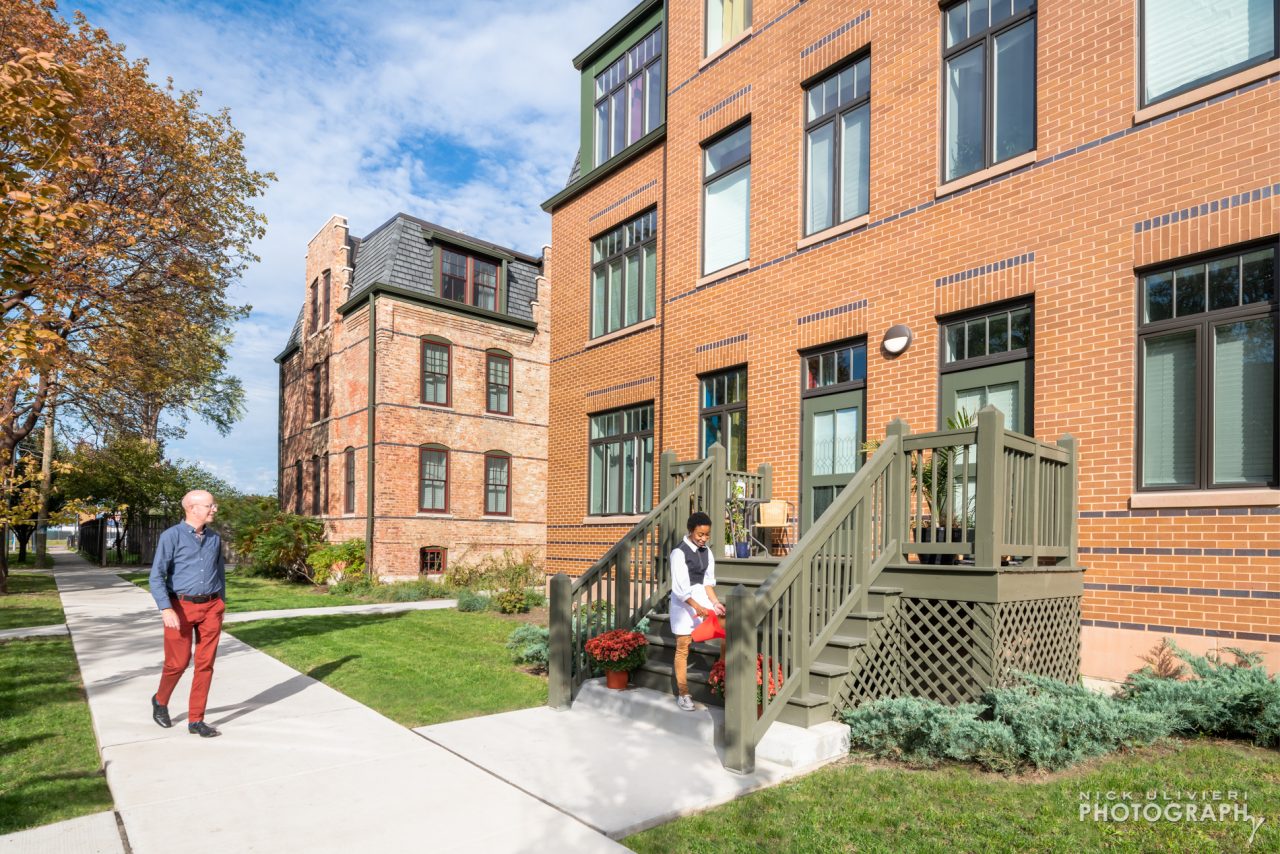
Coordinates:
[681,663]
[203,624]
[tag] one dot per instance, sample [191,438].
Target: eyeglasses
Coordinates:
[204,504]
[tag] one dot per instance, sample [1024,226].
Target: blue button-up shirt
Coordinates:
[187,564]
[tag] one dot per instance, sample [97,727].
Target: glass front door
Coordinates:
[830,452]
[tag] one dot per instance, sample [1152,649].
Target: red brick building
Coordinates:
[428,438]
[1073,212]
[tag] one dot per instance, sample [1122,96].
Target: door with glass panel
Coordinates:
[832,436]
[832,426]
[986,361]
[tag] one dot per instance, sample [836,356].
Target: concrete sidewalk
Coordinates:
[299,766]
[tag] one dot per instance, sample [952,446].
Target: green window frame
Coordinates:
[629,97]
[624,275]
[837,152]
[723,415]
[620,461]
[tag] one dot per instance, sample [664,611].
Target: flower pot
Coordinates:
[617,679]
[742,550]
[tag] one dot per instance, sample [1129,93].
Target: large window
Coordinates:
[837,146]
[326,285]
[621,476]
[298,488]
[726,200]
[1187,43]
[498,383]
[724,415]
[726,20]
[624,275]
[986,361]
[317,508]
[989,79]
[1207,345]
[317,392]
[349,480]
[436,356]
[314,323]
[433,479]
[497,484]
[629,97]
[468,279]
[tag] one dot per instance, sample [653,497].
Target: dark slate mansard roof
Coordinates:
[397,253]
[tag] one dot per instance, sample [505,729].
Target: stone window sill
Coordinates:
[834,231]
[629,521]
[723,273]
[424,514]
[985,174]
[621,333]
[1208,90]
[725,48]
[1206,498]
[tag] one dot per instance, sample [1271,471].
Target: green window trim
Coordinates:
[633,29]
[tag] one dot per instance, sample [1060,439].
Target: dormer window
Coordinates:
[469,279]
[628,96]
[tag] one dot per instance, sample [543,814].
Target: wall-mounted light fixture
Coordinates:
[897,339]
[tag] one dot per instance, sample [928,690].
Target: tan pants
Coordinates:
[682,663]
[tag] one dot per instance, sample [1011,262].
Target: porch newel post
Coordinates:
[719,494]
[559,689]
[1070,513]
[766,482]
[989,538]
[665,483]
[899,494]
[739,684]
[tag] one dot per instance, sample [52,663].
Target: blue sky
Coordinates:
[464,113]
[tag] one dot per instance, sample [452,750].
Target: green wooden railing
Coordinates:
[1023,503]
[632,577]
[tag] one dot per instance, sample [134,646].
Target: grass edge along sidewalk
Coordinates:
[50,765]
[247,593]
[32,600]
[417,668]
[862,804]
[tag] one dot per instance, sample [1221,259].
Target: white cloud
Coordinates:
[337,100]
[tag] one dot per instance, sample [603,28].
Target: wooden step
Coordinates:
[841,650]
[660,676]
[807,710]
[825,678]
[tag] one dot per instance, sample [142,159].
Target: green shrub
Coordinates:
[923,732]
[267,541]
[528,645]
[534,599]
[511,601]
[1057,725]
[1225,699]
[337,560]
[469,600]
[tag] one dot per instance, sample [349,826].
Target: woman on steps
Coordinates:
[693,597]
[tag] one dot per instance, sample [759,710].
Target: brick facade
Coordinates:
[402,423]
[1108,190]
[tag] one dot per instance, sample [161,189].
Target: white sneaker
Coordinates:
[685,702]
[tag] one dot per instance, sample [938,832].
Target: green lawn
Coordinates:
[32,601]
[418,667]
[872,807]
[265,594]
[49,764]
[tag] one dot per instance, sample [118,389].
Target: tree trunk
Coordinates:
[4,559]
[23,534]
[46,482]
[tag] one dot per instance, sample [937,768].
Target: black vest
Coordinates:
[696,561]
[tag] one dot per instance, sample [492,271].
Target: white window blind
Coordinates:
[1191,41]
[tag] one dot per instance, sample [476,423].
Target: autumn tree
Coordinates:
[21,499]
[118,297]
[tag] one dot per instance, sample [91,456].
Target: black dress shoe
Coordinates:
[202,729]
[160,714]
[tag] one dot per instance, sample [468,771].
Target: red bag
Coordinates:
[708,629]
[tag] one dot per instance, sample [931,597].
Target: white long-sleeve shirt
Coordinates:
[683,617]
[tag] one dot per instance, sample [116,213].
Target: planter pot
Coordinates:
[742,550]
[617,679]
[937,535]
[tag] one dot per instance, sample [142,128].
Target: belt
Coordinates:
[197,600]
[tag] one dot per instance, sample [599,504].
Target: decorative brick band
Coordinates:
[620,387]
[1039,164]
[622,201]
[1180,552]
[723,342]
[711,111]
[1226,592]
[835,34]
[1196,211]
[716,61]
[1144,512]
[1182,630]
[986,269]
[831,312]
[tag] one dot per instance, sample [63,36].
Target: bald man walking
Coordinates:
[188,582]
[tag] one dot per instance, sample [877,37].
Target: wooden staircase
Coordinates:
[827,673]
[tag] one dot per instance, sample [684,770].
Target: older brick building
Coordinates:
[1074,213]
[427,439]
